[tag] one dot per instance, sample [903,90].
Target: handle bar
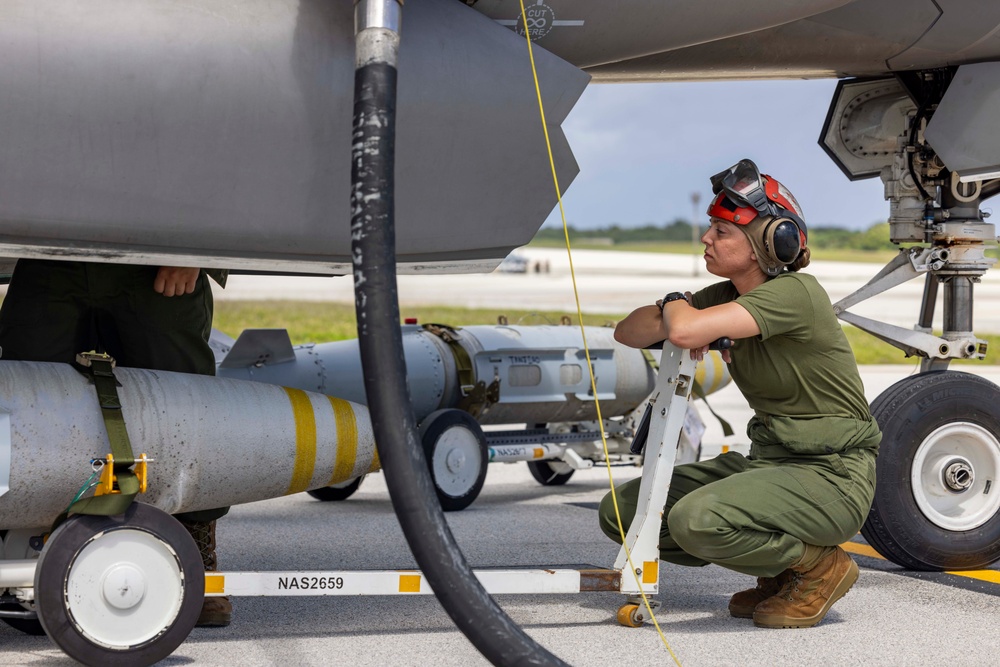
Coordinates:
[723,343]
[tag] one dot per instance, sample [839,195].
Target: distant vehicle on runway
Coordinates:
[514,263]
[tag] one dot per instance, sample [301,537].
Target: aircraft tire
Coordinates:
[336,492]
[457,454]
[937,498]
[120,590]
[550,473]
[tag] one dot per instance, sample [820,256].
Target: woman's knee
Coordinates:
[695,522]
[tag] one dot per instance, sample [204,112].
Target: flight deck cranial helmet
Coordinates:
[766,212]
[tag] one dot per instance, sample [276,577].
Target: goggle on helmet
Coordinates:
[742,194]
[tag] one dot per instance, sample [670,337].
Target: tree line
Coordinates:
[875,237]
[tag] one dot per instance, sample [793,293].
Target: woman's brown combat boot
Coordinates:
[742,604]
[821,577]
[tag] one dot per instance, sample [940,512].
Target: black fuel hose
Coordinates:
[411,489]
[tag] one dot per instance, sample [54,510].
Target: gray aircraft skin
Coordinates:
[649,40]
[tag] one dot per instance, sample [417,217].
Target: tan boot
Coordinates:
[216,612]
[821,577]
[742,604]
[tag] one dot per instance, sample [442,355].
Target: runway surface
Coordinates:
[890,618]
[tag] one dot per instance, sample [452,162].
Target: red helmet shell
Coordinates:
[780,195]
[724,208]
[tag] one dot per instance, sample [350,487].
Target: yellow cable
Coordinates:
[586,350]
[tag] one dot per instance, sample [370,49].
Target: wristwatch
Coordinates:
[672,296]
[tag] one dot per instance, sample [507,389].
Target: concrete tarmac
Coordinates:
[890,618]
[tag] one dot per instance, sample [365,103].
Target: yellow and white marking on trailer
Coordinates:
[411,582]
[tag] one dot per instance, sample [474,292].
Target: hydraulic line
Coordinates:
[407,475]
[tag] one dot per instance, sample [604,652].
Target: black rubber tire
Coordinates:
[62,550]
[546,475]
[29,626]
[452,423]
[908,412]
[337,491]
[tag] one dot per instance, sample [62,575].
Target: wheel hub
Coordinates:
[123,586]
[959,475]
[136,581]
[952,476]
[455,460]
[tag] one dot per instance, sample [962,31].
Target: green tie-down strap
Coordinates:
[123,481]
[697,390]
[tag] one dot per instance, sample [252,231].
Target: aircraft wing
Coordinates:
[219,134]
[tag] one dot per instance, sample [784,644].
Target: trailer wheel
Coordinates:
[631,615]
[120,590]
[341,491]
[551,472]
[937,500]
[457,455]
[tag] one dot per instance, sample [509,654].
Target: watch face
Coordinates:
[674,296]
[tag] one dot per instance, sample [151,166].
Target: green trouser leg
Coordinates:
[753,516]
[54,309]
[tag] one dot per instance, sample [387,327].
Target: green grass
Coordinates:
[309,322]
[324,322]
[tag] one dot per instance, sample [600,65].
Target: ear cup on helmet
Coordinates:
[782,241]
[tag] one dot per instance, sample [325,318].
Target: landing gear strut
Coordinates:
[936,502]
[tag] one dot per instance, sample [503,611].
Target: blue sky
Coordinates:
[644,148]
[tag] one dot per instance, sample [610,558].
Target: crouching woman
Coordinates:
[780,513]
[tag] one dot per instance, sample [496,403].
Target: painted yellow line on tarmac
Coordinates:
[861,550]
[992,576]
